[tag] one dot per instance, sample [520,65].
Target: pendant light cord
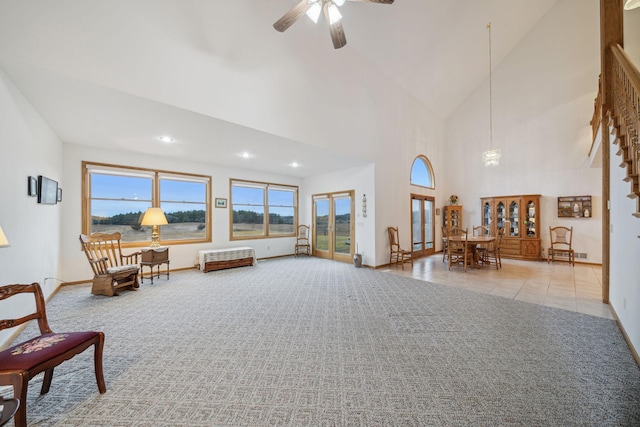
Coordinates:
[490,92]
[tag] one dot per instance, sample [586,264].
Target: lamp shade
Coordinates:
[631,4]
[154,216]
[3,239]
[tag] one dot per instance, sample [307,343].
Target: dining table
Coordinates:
[472,243]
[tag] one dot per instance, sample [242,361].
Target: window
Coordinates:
[115,199]
[263,210]
[422,173]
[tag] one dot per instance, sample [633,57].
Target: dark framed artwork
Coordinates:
[32,186]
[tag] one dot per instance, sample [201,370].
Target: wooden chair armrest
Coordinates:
[131,258]
[101,264]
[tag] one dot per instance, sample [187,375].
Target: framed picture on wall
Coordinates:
[221,203]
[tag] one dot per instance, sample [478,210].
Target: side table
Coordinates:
[154,257]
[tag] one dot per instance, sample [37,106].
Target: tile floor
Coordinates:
[559,285]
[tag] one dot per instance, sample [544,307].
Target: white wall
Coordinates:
[361,180]
[29,148]
[543,96]
[74,263]
[624,275]
[631,19]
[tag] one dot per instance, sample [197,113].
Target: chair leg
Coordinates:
[20,384]
[46,383]
[97,357]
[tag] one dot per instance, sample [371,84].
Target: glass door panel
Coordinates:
[428,226]
[530,219]
[333,232]
[416,225]
[422,225]
[513,218]
[321,228]
[342,221]
[486,215]
[500,215]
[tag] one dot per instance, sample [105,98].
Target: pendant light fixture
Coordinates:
[491,157]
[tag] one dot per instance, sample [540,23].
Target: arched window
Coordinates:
[422,173]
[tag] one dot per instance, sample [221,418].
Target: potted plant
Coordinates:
[453,199]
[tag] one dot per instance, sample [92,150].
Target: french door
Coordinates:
[422,225]
[333,232]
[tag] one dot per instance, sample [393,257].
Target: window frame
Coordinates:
[427,164]
[266,186]
[156,175]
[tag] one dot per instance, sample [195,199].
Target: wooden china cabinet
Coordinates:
[521,217]
[452,217]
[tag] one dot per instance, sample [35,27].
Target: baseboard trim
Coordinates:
[634,353]
[81,282]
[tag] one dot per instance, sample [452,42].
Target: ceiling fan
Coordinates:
[313,8]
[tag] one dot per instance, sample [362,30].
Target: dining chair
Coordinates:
[458,249]
[397,255]
[42,353]
[561,238]
[481,249]
[445,249]
[492,253]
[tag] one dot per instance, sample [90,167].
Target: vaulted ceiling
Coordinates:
[217,77]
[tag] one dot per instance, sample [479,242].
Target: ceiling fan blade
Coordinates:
[337,32]
[292,16]
[375,1]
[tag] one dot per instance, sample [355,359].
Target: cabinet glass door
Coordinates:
[486,215]
[455,218]
[530,219]
[513,218]
[500,215]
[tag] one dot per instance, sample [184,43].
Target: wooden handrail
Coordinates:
[597,115]
[626,117]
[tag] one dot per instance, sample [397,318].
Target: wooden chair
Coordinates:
[492,253]
[445,249]
[397,254]
[111,268]
[20,363]
[561,238]
[459,253]
[481,249]
[302,241]
[9,408]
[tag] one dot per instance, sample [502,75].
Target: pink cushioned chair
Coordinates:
[20,363]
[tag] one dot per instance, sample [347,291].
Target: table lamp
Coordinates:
[3,239]
[154,217]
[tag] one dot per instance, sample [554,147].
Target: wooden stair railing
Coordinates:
[625,119]
[597,114]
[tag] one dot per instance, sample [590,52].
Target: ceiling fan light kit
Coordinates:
[312,9]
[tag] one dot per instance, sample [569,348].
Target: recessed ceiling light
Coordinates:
[166,139]
[294,164]
[245,155]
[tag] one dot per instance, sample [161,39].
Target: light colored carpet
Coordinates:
[310,342]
